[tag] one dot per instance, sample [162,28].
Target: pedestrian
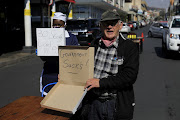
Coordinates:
[51,64]
[110,93]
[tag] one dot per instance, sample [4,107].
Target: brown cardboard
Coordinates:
[76,66]
[64,98]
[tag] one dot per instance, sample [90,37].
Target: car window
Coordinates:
[76,24]
[165,24]
[94,23]
[160,24]
[176,23]
[156,25]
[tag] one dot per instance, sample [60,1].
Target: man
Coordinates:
[110,93]
[51,64]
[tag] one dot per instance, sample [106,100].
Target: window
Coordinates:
[76,24]
[116,1]
[164,24]
[128,0]
[94,23]
[176,23]
[156,24]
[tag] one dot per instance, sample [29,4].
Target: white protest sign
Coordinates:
[48,40]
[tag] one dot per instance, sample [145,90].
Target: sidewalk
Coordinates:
[14,57]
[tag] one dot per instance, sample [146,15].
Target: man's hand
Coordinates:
[92,83]
[58,78]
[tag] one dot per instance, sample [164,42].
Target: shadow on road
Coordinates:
[159,53]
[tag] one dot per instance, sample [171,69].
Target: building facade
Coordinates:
[135,10]
[94,8]
[12,14]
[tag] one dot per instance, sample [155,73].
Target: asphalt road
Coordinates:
[156,89]
[21,79]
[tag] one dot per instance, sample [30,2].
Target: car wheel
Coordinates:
[149,34]
[163,48]
[163,45]
[167,52]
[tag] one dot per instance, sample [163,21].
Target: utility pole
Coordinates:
[42,13]
[49,19]
[53,11]
[28,48]
[70,15]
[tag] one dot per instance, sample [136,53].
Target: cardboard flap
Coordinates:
[63,97]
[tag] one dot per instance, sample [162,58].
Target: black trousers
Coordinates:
[102,110]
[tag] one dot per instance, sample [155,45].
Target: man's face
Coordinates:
[111,29]
[58,23]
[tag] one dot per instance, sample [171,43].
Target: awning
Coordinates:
[131,12]
[71,1]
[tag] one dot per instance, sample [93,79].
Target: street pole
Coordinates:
[49,19]
[42,13]
[70,16]
[53,11]
[28,48]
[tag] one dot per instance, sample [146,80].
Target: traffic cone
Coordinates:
[142,35]
[141,41]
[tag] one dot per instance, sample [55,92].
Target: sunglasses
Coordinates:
[109,22]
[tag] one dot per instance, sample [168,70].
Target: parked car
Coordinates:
[143,23]
[171,37]
[164,23]
[156,30]
[131,25]
[125,28]
[136,24]
[140,24]
[85,30]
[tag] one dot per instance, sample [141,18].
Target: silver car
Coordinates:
[125,28]
[156,30]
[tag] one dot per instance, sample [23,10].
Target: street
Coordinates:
[156,89]
[20,80]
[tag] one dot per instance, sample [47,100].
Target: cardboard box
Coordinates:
[76,67]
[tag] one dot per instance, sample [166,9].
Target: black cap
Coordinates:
[110,15]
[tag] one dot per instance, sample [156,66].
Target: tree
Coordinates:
[162,14]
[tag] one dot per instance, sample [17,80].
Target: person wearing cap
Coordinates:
[110,93]
[59,21]
[51,64]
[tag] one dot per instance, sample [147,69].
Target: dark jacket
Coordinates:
[122,82]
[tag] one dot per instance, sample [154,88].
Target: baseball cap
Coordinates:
[110,15]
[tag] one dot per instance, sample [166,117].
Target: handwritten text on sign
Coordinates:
[74,65]
[75,61]
[48,40]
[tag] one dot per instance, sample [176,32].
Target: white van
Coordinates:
[171,39]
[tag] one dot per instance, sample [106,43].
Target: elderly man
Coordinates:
[110,93]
